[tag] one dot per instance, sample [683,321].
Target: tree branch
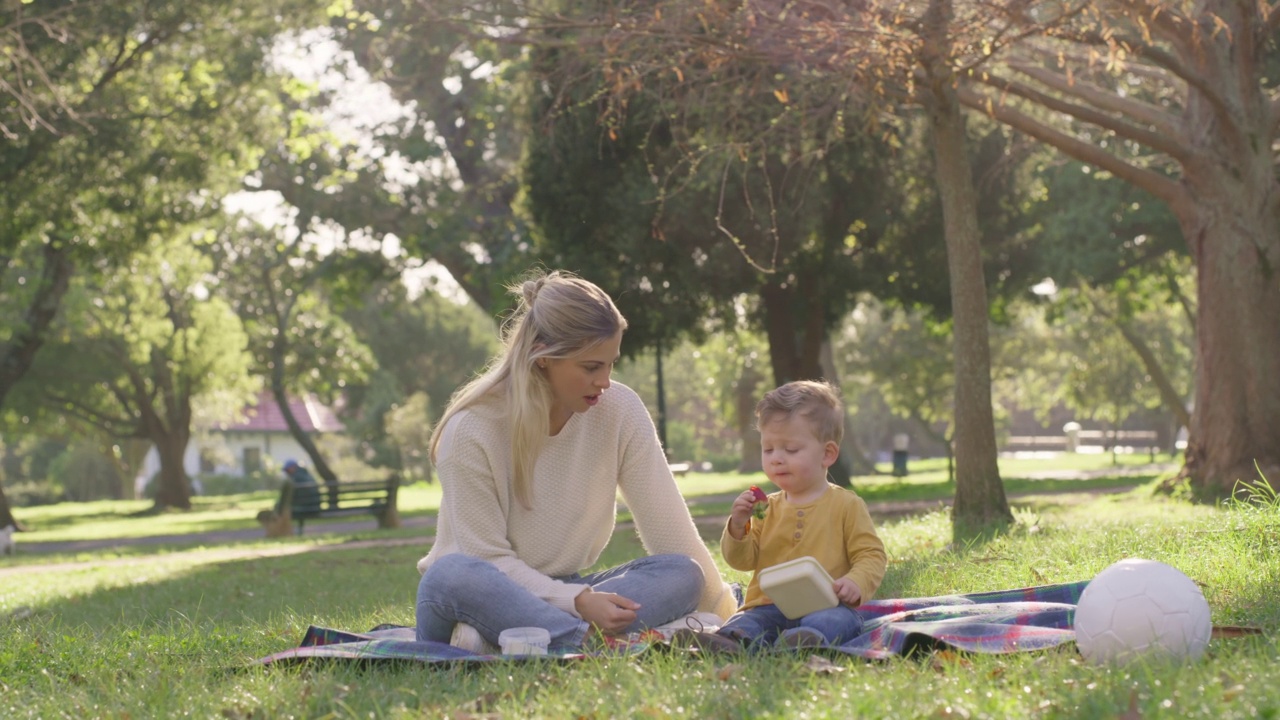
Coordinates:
[110,424]
[1166,139]
[1141,112]
[1168,190]
[1167,22]
[20,351]
[1163,59]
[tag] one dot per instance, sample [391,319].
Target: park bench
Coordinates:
[299,503]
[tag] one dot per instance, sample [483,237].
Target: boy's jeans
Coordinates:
[763,624]
[462,589]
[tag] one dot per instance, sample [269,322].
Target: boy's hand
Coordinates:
[847,591]
[740,514]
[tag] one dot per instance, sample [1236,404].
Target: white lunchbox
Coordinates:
[798,587]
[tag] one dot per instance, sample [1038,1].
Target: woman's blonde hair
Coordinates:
[558,315]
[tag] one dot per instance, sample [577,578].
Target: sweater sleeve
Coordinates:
[742,554]
[661,515]
[477,500]
[867,559]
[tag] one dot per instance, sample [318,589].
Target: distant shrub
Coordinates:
[85,474]
[30,493]
[725,462]
[223,484]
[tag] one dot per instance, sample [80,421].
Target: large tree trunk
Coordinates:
[173,489]
[1233,231]
[795,330]
[20,351]
[168,426]
[980,498]
[1236,419]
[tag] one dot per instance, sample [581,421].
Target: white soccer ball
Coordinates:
[1141,608]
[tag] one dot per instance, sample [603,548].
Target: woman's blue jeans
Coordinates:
[462,589]
[763,624]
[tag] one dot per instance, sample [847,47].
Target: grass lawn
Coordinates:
[927,481]
[159,633]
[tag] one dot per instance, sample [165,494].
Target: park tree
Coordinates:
[136,351]
[1187,81]
[1190,86]
[289,292]
[425,347]
[687,241]
[99,97]
[441,177]
[896,57]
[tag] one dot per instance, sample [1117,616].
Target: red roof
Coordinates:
[310,413]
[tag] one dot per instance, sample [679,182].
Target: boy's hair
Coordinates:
[815,401]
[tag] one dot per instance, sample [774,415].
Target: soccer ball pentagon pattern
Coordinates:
[1141,609]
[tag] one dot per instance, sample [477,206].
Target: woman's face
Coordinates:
[578,381]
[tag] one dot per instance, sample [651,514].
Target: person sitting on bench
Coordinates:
[306,493]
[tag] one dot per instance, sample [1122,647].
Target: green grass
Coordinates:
[130,519]
[162,633]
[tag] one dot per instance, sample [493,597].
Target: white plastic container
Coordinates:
[798,587]
[524,641]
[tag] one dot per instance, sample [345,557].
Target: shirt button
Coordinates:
[799,513]
[799,524]
[797,535]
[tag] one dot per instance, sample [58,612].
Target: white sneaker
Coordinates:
[468,638]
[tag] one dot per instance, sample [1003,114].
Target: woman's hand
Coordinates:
[847,591]
[609,612]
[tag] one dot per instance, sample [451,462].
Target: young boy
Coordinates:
[800,425]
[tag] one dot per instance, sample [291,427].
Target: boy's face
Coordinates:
[793,457]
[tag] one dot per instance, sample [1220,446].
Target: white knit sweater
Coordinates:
[611,448]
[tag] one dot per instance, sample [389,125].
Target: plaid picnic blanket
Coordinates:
[1003,621]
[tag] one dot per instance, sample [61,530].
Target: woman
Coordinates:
[531,456]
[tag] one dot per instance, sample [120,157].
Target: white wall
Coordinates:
[228,448]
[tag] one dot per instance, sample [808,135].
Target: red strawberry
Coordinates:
[761,502]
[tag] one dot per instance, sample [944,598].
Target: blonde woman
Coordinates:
[531,456]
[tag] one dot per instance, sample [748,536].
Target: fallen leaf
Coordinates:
[727,672]
[819,665]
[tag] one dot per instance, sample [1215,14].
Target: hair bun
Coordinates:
[529,290]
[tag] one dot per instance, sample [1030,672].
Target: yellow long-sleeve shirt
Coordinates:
[835,529]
